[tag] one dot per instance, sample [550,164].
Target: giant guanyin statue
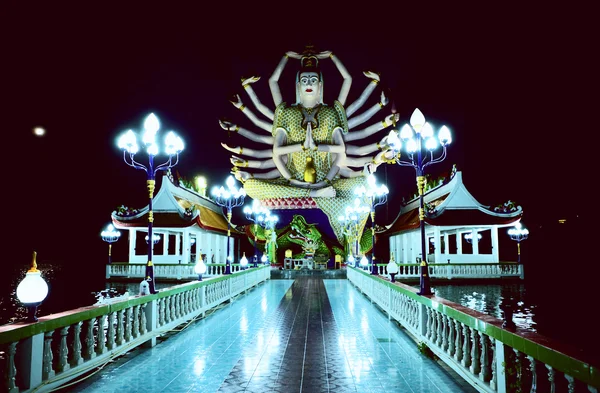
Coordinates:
[312,150]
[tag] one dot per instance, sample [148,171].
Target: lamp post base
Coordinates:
[374,269]
[424,288]
[31,311]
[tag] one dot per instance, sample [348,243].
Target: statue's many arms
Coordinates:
[313,150]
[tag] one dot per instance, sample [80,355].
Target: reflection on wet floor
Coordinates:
[303,335]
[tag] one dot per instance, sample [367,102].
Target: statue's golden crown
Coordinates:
[309,62]
[309,58]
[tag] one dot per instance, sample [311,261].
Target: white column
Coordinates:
[405,248]
[186,249]
[165,243]
[437,250]
[495,248]
[178,251]
[475,243]
[447,248]
[212,246]
[458,243]
[132,241]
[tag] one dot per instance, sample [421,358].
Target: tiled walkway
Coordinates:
[308,335]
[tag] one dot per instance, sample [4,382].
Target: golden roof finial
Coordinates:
[33,264]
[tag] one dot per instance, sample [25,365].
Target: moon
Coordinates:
[39,131]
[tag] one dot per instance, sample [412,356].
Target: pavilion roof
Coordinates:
[451,205]
[174,206]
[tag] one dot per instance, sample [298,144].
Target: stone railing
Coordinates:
[184,271]
[61,347]
[475,345]
[449,271]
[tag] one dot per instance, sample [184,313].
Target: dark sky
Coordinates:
[511,84]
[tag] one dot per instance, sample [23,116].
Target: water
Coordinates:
[67,289]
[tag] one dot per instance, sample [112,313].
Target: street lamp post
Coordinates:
[173,146]
[350,222]
[518,233]
[230,198]
[110,235]
[415,136]
[376,195]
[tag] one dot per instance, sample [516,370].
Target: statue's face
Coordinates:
[310,85]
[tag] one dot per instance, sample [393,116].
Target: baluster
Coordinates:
[120,328]
[458,355]
[518,367]
[475,366]
[446,332]
[430,324]
[186,303]
[161,312]
[440,322]
[551,374]
[532,368]
[178,304]
[399,302]
[76,358]
[181,305]
[128,320]
[110,335]
[167,309]
[570,383]
[47,370]
[493,383]
[466,360]
[63,351]
[143,327]
[136,321]
[194,300]
[10,369]
[175,307]
[451,337]
[89,339]
[100,336]
[485,358]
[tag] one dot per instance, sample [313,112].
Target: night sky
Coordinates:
[511,84]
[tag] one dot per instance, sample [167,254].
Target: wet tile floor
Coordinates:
[303,335]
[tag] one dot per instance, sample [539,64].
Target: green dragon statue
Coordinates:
[303,239]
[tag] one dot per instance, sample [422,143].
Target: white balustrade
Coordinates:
[465,345]
[91,337]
